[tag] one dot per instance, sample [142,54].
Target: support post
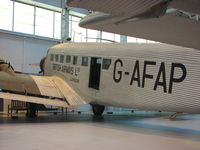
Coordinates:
[64,21]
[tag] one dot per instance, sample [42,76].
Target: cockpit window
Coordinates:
[51,57]
[75,60]
[106,64]
[61,58]
[56,58]
[68,59]
[84,61]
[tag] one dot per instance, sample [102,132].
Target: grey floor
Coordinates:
[140,130]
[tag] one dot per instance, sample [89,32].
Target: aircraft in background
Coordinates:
[142,76]
[167,21]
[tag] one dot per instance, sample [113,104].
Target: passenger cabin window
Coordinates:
[106,64]
[61,58]
[75,60]
[99,61]
[56,58]
[84,61]
[68,59]
[51,57]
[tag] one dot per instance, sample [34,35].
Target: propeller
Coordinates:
[41,65]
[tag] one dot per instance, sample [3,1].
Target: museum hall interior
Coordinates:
[99,75]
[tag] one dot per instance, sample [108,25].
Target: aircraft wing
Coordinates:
[115,7]
[133,7]
[169,28]
[147,19]
[46,90]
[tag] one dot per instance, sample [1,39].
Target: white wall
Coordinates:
[22,51]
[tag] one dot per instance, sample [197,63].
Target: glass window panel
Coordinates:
[68,59]
[70,26]
[6,9]
[141,40]
[93,36]
[24,18]
[61,58]
[107,36]
[106,63]
[75,60]
[99,61]
[84,61]
[44,22]
[76,19]
[51,57]
[78,34]
[56,58]
[149,41]
[117,38]
[131,39]
[57,28]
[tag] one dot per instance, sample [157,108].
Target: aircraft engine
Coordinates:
[4,66]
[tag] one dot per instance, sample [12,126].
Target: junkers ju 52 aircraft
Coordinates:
[142,76]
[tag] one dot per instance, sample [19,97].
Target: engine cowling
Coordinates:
[6,67]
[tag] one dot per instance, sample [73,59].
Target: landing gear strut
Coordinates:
[31,110]
[98,109]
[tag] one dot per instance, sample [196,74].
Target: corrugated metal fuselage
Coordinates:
[143,76]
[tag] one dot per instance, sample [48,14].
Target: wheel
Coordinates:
[31,110]
[98,109]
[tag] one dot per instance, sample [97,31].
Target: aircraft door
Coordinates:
[95,73]
[1,104]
